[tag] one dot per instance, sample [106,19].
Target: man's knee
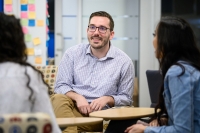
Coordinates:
[61,102]
[57,98]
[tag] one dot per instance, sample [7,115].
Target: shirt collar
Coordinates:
[110,53]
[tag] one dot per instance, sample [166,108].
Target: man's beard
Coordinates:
[103,44]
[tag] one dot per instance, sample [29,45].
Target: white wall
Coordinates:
[150,12]
[58,32]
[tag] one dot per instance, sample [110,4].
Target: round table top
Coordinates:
[74,121]
[123,113]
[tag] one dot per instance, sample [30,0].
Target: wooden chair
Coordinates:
[25,123]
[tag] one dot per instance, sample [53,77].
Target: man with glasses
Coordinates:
[93,76]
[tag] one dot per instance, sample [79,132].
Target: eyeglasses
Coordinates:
[101,29]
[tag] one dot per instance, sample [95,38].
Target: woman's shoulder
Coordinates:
[12,69]
[182,68]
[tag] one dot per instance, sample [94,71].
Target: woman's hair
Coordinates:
[175,41]
[12,45]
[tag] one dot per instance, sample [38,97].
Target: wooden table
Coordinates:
[123,113]
[75,121]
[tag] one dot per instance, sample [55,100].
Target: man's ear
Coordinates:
[112,33]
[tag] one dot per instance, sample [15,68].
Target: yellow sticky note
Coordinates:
[7,1]
[40,23]
[38,60]
[30,51]
[24,1]
[36,41]
[31,15]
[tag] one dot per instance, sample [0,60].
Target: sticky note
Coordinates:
[24,1]
[38,60]
[27,37]
[30,51]
[31,22]
[47,13]
[7,1]
[47,29]
[47,44]
[24,15]
[38,51]
[8,8]
[31,7]
[31,15]
[47,21]
[25,30]
[31,1]
[24,22]
[36,41]
[24,8]
[40,23]
[47,37]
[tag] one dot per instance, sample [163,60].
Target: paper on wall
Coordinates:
[38,60]
[8,8]
[25,30]
[24,22]
[31,7]
[36,41]
[24,1]
[27,37]
[7,1]
[30,51]
[38,52]
[24,15]
[31,15]
[31,1]
[40,23]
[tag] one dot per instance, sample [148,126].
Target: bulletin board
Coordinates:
[33,16]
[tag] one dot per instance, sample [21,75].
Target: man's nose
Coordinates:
[97,30]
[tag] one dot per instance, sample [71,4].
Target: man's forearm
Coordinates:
[111,101]
[73,95]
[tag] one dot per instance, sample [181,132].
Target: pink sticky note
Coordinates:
[47,5]
[47,13]
[25,30]
[31,7]
[8,8]
[47,29]
[24,15]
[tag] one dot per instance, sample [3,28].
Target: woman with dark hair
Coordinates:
[178,110]
[22,88]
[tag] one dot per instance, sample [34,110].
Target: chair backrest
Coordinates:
[49,73]
[154,79]
[135,93]
[25,123]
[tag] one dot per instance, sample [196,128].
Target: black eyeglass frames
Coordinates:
[101,29]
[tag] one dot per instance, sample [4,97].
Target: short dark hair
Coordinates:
[103,14]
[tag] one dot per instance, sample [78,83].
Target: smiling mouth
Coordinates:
[96,38]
